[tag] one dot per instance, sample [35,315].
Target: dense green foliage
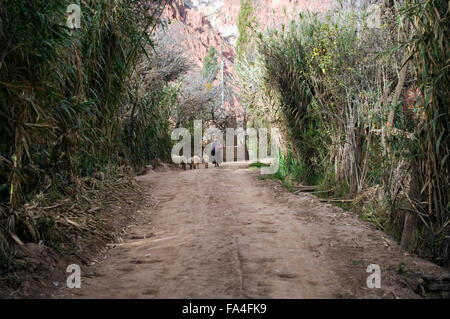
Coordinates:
[337,91]
[210,65]
[430,49]
[245,22]
[72,101]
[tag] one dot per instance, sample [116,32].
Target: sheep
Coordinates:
[197,161]
[176,159]
[206,160]
[194,162]
[183,161]
[179,160]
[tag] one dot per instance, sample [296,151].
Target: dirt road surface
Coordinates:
[224,233]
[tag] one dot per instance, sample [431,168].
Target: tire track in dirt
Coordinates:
[222,233]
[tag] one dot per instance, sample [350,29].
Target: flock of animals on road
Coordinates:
[193,162]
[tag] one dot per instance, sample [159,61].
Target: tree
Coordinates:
[246,20]
[210,65]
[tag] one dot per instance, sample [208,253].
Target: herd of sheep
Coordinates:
[193,162]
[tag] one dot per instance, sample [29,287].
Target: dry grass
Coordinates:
[74,226]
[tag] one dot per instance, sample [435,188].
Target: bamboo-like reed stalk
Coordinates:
[64,95]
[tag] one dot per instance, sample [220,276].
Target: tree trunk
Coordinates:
[410,224]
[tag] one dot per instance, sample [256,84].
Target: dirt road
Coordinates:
[224,233]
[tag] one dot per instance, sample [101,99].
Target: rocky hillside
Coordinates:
[202,23]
